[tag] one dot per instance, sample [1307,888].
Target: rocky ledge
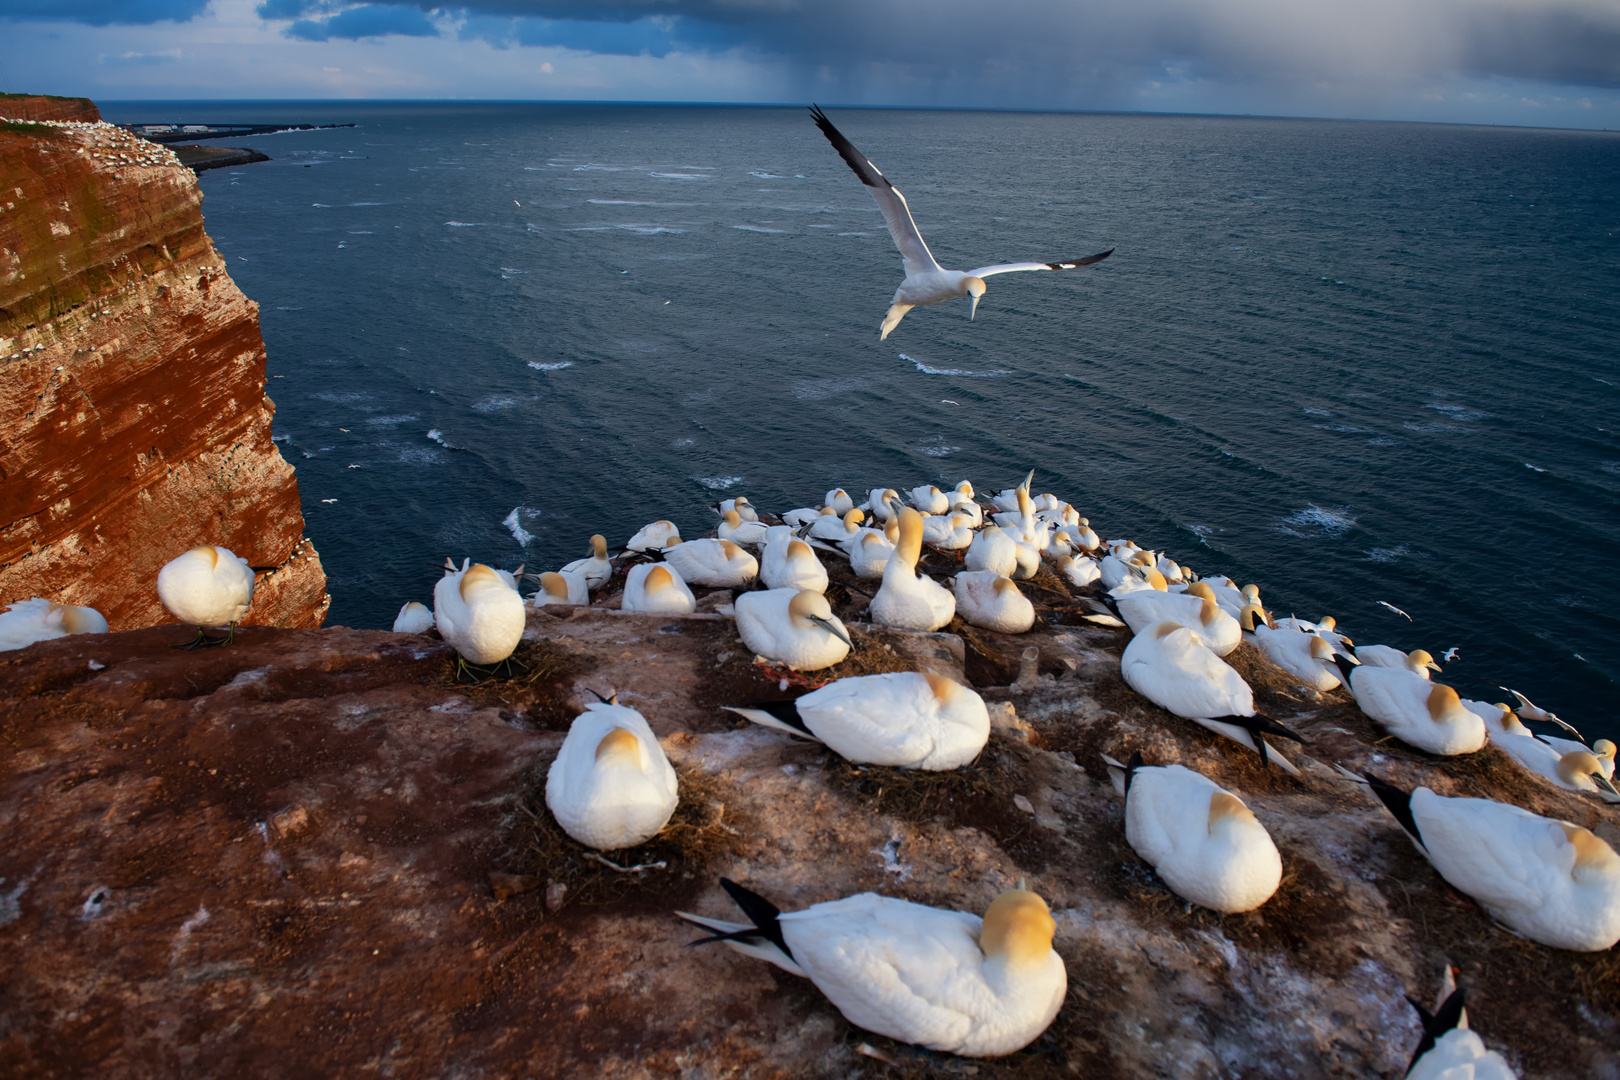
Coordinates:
[133,418]
[314,853]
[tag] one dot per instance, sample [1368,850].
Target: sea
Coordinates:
[1367,366]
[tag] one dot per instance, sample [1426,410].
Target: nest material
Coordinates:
[538,680]
[544,857]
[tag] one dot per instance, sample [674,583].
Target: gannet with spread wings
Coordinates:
[926,281]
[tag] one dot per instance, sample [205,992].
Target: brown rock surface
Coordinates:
[47,107]
[133,418]
[277,859]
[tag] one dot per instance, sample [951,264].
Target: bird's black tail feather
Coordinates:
[1437,1024]
[785,711]
[1398,802]
[760,911]
[1130,770]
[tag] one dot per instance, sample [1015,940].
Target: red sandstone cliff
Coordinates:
[133,418]
[47,107]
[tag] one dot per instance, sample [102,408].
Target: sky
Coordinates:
[1552,63]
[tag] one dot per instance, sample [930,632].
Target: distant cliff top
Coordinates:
[46,107]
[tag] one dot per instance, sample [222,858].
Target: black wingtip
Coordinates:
[760,911]
[1435,1026]
[1397,802]
[1258,725]
[1089,260]
[785,711]
[1130,770]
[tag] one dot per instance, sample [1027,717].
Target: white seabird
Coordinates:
[413,618]
[611,786]
[941,979]
[479,614]
[28,621]
[926,282]
[657,589]
[714,564]
[207,586]
[792,627]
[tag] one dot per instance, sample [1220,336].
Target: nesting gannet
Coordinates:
[597,569]
[1603,750]
[869,554]
[909,719]
[564,588]
[738,531]
[657,589]
[1079,572]
[654,537]
[941,979]
[987,599]
[993,549]
[926,282]
[1424,714]
[413,618]
[1200,838]
[1418,661]
[713,564]
[28,621]
[1306,657]
[831,527]
[882,503]
[739,506]
[928,499]
[1545,879]
[793,627]
[907,601]
[611,786]
[1170,666]
[840,501]
[1448,1050]
[479,614]
[788,563]
[1195,608]
[805,515]
[1572,770]
[207,586]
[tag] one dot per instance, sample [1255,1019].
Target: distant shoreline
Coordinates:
[200,158]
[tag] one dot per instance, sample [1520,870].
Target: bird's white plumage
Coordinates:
[906,719]
[801,633]
[479,614]
[788,563]
[907,601]
[37,619]
[993,549]
[657,589]
[1079,571]
[1210,850]
[413,618]
[917,974]
[868,554]
[615,796]
[1148,607]
[595,567]
[1425,714]
[712,563]
[562,587]
[1290,649]
[207,586]
[1460,1054]
[653,537]
[1170,666]
[987,599]
[1548,880]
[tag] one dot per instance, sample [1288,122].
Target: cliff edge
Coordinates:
[133,418]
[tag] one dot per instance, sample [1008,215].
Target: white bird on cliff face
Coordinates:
[1418,661]
[1428,715]
[906,601]
[479,614]
[928,499]
[413,618]
[657,589]
[926,282]
[1548,880]
[788,563]
[713,564]
[1195,608]
[908,719]
[941,979]
[654,537]
[596,568]
[834,528]
[28,621]
[611,786]
[1200,838]
[839,500]
[987,599]
[1079,572]
[564,588]
[1171,667]
[792,627]
[1306,657]
[994,550]
[1448,1050]
[734,528]
[869,554]
[207,586]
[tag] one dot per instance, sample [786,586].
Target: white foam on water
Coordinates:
[1388,555]
[854,234]
[1385,440]
[496,403]
[464,224]
[1456,412]
[679,176]
[558,366]
[940,451]
[1330,521]
[385,420]
[340,399]
[959,372]
[634,202]
[519,533]
[718,483]
[758,228]
[763,175]
[678,443]
[438,436]
[1530,466]
[1315,412]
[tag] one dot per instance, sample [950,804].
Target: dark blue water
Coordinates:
[1351,362]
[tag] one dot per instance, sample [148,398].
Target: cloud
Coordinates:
[367,20]
[140,59]
[103,12]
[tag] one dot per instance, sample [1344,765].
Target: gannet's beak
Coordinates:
[975,288]
[1606,784]
[834,629]
[974,310]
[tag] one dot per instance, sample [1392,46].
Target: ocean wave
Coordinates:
[1308,411]
[1457,412]
[959,372]
[679,176]
[939,451]
[643,229]
[1347,429]
[384,420]
[1536,468]
[519,533]
[719,483]
[1385,440]
[438,436]
[496,403]
[1317,521]
[1432,429]
[1388,555]
[634,202]
[854,234]
[420,455]
[757,228]
[763,175]
[464,224]
[558,366]
[678,443]
[510,270]
[340,399]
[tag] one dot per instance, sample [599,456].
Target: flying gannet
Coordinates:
[926,281]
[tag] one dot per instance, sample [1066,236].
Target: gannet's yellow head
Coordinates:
[599,546]
[1152,576]
[1604,749]
[1443,703]
[1252,615]
[1321,650]
[975,289]
[1327,622]
[477,578]
[554,585]
[82,620]
[1418,659]
[1591,853]
[620,744]
[808,609]
[1018,928]
[729,550]
[206,552]
[658,579]
[1223,806]
[909,544]
[1201,590]
[733,519]
[1251,593]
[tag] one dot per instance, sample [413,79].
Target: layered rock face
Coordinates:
[315,854]
[133,418]
[47,107]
